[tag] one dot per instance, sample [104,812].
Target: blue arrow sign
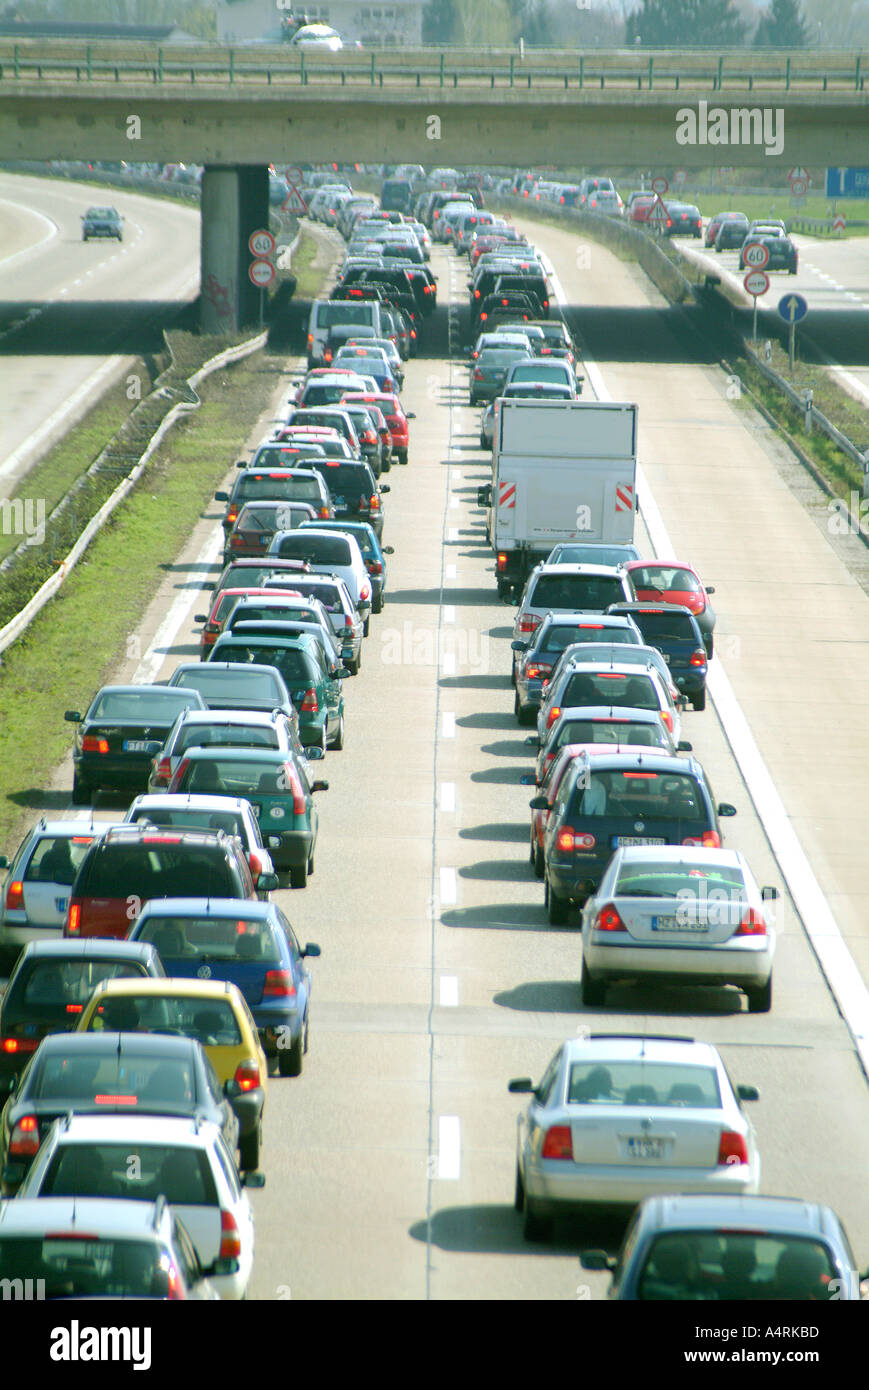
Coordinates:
[847,183]
[792,308]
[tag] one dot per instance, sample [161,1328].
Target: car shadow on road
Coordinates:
[498,917]
[474,682]
[507,720]
[501,830]
[497,1230]
[542,997]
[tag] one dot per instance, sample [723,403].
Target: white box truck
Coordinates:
[561,471]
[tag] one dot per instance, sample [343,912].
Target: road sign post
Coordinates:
[756,283]
[792,308]
[261,273]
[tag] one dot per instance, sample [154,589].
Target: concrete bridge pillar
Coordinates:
[235,202]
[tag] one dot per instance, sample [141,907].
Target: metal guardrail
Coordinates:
[110,61]
[812,415]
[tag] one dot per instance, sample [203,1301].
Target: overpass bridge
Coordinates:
[236,109]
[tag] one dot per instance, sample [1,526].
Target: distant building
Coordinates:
[60,29]
[396,22]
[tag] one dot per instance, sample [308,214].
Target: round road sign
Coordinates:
[262,273]
[756,283]
[792,307]
[261,243]
[294,176]
[756,256]
[660,185]
[799,188]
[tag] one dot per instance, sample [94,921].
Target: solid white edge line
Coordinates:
[835,960]
[146,671]
[449,1147]
[53,231]
[448,724]
[34,440]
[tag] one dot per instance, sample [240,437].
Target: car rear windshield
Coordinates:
[66,984]
[72,1267]
[737,1265]
[126,1076]
[265,518]
[558,638]
[641,794]
[328,594]
[266,488]
[211,1022]
[213,939]
[256,685]
[590,593]
[664,579]
[282,456]
[322,550]
[157,870]
[225,735]
[342,312]
[317,394]
[657,627]
[611,731]
[56,858]
[137,1172]
[543,371]
[230,822]
[294,664]
[610,688]
[348,480]
[129,706]
[643,1083]
[501,357]
[702,882]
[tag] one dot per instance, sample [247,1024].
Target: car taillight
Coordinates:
[668,719]
[309,701]
[236,539]
[369,437]
[24,1142]
[230,1238]
[698,658]
[554,713]
[279,985]
[534,670]
[608,919]
[565,840]
[558,1143]
[732,1148]
[163,771]
[364,593]
[710,839]
[310,340]
[13,1047]
[375,567]
[247,1074]
[374,503]
[502,560]
[15,895]
[752,924]
[73,918]
[327,355]
[528,622]
[92,744]
[324,512]
[232,515]
[478,375]
[483,318]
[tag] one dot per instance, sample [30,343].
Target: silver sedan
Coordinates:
[688,915]
[619,1118]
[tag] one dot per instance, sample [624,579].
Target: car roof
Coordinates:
[266,755]
[614,713]
[250,908]
[653,761]
[181,1130]
[624,1047]
[118,1217]
[617,621]
[161,1044]
[91,948]
[232,716]
[169,987]
[684,854]
[784,1215]
[194,801]
[608,571]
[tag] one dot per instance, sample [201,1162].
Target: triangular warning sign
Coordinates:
[294,202]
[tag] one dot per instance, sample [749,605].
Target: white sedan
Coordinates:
[618,1118]
[317,36]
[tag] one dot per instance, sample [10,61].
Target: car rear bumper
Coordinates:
[553,1189]
[747,964]
[114,773]
[277,1031]
[289,849]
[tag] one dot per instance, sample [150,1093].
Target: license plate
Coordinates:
[140,745]
[339,501]
[265,539]
[623,840]
[666,658]
[61,904]
[678,924]
[641,1147]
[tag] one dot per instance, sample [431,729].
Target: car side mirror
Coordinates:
[388,550]
[710,588]
[526,780]
[241,464]
[220,1268]
[532,741]
[539,803]
[596,1260]
[267,883]
[314,753]
[768,894]
[341,673]
[410,415]
[748,1093]
[72,716]
[4,862]
[319,786]
[521,1086]
[311,949]
[221,497]
[725,809]
[518,646]
[200,618]
[253,1178]
[683,746]
[384,487]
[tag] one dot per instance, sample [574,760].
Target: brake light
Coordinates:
[309,701]
[608,919]
[369,437]
[236,539]
[310,340]
[13,1046]
[710,839]
[752,924]
[327,355]
[73,918]
[558,1143]
[483,318]
[502,561]
[528,622]
[565,840]
[731,1148]
[698,658]
[374,504]
[668,719]
[91,744]
[324,512]
[554,713]
[364,592]
[15,895]
[279,985]
[247,1074]
[230,1238]
[163,771]
[534,670]
[375,567]
[25,1138]
[478,375]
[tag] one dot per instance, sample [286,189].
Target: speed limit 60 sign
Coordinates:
[261,243]
[756,255]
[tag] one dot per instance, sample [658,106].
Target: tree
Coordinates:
[441,23]
[685,23]
[781,27]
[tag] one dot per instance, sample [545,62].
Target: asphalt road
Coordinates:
[74,315]
[390,1162]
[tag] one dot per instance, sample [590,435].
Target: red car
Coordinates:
[222,606]
[640,205]
[395,417]
[715,222]
[674,581]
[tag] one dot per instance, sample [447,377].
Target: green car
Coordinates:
[317,696]
[276,784]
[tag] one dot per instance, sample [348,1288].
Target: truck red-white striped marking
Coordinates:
[507,495]
[624,497]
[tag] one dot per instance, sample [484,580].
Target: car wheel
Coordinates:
[593,991]
[366,626]
[299,876]
[709,644]
[539,862]
[558,907]
[338,741]
[517,708]
[353,666]
[402,456]
[760,999]
[307,1030]
[377,604]
[311,864]
[81,793]
[699,700]
[290,1058]
[519,1192]
[535,1227]
[249,1147]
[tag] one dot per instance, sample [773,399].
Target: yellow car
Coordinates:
[215,1013]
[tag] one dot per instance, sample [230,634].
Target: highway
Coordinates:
[390,1162]
[74,315]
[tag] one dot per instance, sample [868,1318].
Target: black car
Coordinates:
[107,1073]
[614,799]
[356,495]
[51,983]
[676,633]
[526,282]
[120,733]
[731,233]
[683,219]
[783,254]
[512,306]
[102,222]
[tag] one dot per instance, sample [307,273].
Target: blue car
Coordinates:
[249,943]
[373,554]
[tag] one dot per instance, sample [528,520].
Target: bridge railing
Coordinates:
[736,70]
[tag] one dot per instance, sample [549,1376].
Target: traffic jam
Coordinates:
[157,989]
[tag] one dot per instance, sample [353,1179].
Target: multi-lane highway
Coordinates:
[74,315]
[390,1162]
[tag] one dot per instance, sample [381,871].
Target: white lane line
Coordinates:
[449,613]
[450,572]
[449,1147]
[448,796]
[448,664]
[448,887]
[454,501]
[448,724]
[836,962]
[53,230]
[449,991]
[146,671]
[457,475]
[453,534]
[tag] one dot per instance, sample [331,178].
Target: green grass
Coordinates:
[777,204]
